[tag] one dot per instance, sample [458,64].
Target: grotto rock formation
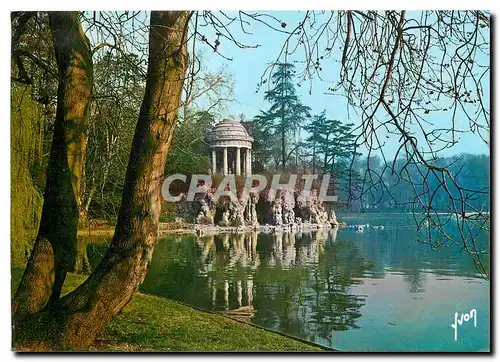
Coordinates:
[286,211]
[311,209]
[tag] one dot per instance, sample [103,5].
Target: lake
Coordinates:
[376,290]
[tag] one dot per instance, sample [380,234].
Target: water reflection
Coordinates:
[218,257]
[311,300]
[378,290]
[295,283]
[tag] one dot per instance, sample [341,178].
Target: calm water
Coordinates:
[379,290]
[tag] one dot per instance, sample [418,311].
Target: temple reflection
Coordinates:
[289,282]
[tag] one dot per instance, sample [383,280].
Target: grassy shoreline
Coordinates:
[156,324]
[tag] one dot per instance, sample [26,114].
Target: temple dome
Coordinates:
[228,133]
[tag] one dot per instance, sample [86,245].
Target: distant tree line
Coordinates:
[376,187]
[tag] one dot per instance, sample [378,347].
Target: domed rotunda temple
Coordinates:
[231,148]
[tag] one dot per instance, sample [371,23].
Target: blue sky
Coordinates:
[248,65]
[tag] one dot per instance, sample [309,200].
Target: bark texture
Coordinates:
[55,247]
[74,320]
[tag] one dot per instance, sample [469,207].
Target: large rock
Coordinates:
[332,219]
[288,204]
[250,213]
[276,212]
[232,214]
[206,214]
[311,209]
[280,211]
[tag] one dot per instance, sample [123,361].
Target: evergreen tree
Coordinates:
[286,114]
[331,140]
[314,139]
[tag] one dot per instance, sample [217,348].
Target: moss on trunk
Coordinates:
[56,243]
[73,321]
[26,142]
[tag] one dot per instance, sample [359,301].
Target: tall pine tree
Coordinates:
[286,115]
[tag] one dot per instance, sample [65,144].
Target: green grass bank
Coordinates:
[151,323]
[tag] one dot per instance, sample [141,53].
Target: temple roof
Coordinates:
[228,130]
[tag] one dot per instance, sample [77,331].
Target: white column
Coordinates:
[239,289]
[226,293]
[225,161]
[214,293]
[245,161]
[250,292]
[238,161]
[249,161]
[214,161]
[244,164]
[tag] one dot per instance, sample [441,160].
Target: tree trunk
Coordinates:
[82,263]
[74,321]
[55,246]
[325,161]
[283,146]
[84,209]
[314,158]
